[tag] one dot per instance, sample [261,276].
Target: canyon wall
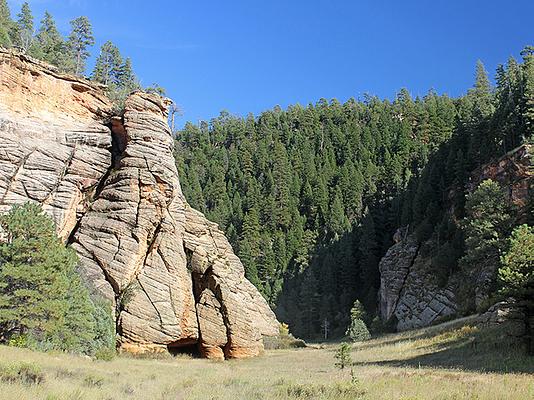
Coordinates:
[413,293]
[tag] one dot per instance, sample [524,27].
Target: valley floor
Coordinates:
[452,361]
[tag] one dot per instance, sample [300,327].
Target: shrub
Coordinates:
[284,340]
[93,381]
[25,373]
[105,354]
[18,341]
[339,390]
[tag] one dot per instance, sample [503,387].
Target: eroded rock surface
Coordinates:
[409,290]
[415,293]
[112,187]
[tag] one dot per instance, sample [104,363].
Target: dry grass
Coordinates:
[453,361]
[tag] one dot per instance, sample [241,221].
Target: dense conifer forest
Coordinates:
[310,197]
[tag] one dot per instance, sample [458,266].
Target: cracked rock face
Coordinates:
[112,187]
[409,289]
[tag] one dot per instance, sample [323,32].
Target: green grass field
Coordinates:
[455,360]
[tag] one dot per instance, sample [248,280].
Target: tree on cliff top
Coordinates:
[6,24]
[116,73]
[51,45]
[80,39]
[24,28]
[108,65]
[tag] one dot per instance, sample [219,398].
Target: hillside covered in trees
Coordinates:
[310,197]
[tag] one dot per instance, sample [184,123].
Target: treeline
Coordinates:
[68,54]
[310,196]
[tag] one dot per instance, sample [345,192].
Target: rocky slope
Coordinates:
[111,185]
[412,294]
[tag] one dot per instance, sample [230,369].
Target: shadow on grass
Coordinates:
[422,333]
[487,351]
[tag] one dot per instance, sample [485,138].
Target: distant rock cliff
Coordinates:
[412,293]
[111,185]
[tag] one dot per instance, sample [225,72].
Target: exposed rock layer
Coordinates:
[112,187]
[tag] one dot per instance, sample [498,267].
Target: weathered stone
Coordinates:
[409,289]
[394,269]
[507,314]
[112,187]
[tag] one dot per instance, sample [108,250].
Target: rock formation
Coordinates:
[409,290]
[111,185]
[412,294]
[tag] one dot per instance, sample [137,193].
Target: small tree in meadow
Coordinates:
[357,329]
[343,356]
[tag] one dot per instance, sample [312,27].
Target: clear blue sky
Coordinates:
[248,56]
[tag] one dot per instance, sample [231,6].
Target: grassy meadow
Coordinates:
[455,360]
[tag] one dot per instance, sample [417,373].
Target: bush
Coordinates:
[25,373]
[18,341]
[105,354]
[93,381]
[339,390]
[284,340]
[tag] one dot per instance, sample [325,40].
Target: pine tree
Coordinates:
[108,65]
[337,221]
[42,299]
[528,92]
[127,80]
[343,356]
[368,248]
[517,274]
[486,226]
[517,270]
[481,92]
[24,28]
[80,39]
[6,24]
[309,304]
[51,44]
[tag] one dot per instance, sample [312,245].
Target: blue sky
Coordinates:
[248,56]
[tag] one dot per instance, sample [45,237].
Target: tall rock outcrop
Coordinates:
[111,185]
[413,293]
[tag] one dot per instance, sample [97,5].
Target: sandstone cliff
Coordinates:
[412,293]
[111,185]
